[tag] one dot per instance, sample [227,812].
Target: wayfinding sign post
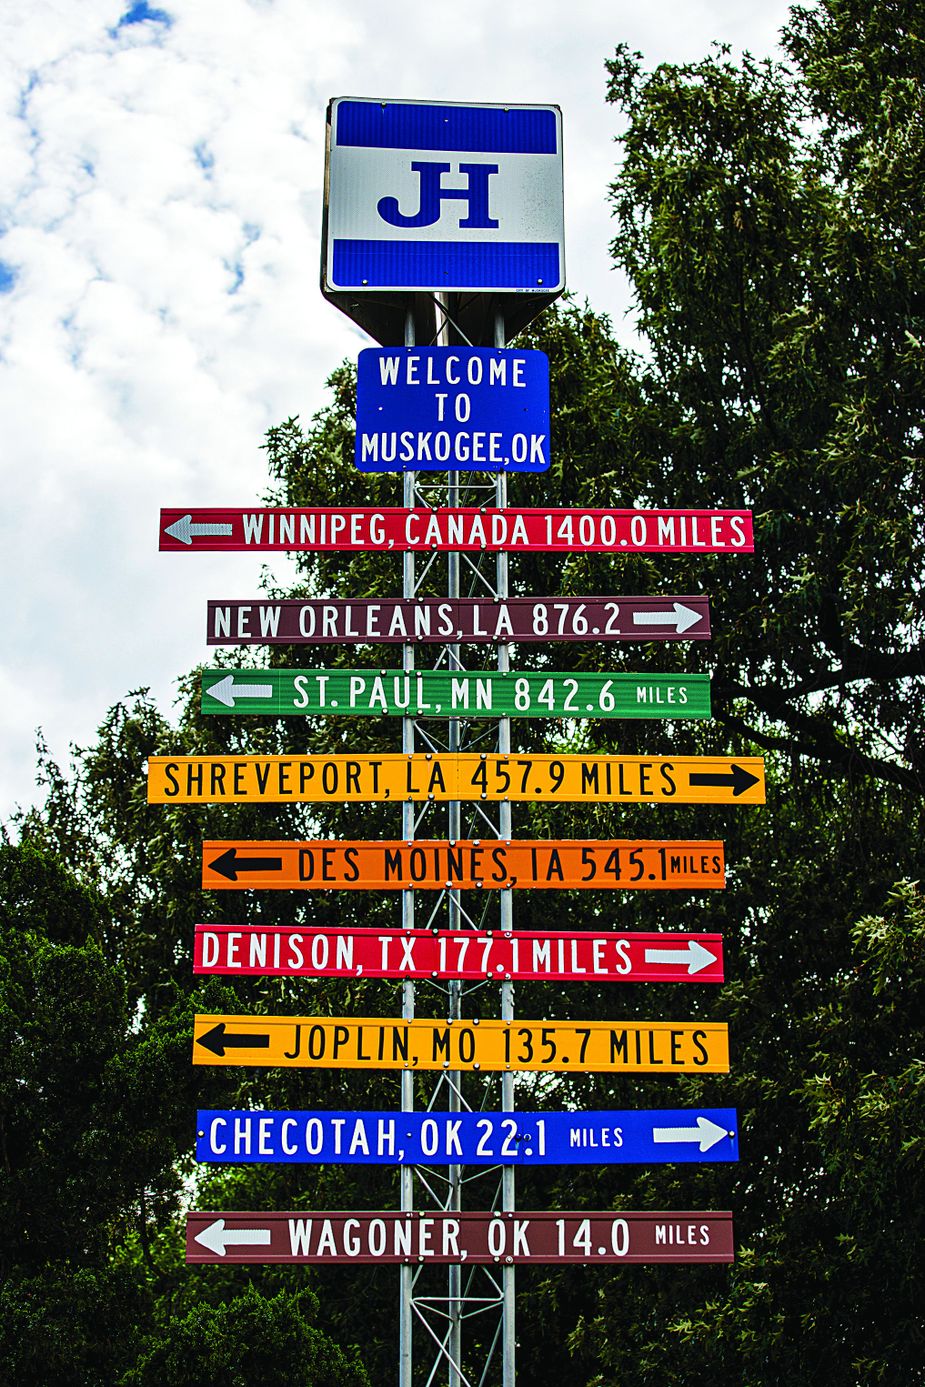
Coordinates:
[443,236]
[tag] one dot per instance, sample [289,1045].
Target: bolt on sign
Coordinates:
[431,864]
[398,776]
[457,693]
[519,1238]
[470,1138]
[471,620]
[361,529]
[550,956]
[472,409]
[349,1042]
[423,197]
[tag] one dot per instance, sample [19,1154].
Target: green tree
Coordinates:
[97,1103]
[769,220]
[247,1340]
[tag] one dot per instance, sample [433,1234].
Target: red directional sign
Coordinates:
[524,955]
[361,528]
[474,620]
[520,1238]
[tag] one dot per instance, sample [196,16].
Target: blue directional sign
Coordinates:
[469,1138]
[452,197]
[472,409]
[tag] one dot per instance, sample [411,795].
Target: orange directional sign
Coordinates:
[349,1042]
[576,864]
[470,776]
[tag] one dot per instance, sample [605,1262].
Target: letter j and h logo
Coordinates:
[432,194]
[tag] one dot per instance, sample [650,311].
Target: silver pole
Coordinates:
[405,1314]
[508,1193]
[454,987]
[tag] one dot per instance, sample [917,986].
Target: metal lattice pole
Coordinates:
[470,1292]
[406,1176]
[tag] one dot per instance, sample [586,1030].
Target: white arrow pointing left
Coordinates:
[226,691]
[217,1238]
[186,528]
[694,956]
[706,1134]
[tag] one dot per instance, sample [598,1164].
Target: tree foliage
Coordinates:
[768,216]
[770,222]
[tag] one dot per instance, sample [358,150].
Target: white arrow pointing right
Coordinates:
[681,617]
[185,529]
[693,955]
[217,1238]
[226,691]
[706,1134]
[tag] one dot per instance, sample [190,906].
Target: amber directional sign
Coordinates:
[520,1238]
[467,529]
[469,864]
[470,776]
[451,694]
[522,955]
[348,1042]
[472,620]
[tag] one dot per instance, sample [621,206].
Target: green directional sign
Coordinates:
[460,693]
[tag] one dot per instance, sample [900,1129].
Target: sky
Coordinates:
[160,218]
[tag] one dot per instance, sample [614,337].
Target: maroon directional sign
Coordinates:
[469,529]
[520,1238]
[522,955]
[474,620]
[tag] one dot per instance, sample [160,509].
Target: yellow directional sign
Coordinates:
[470,776]
[341,1042]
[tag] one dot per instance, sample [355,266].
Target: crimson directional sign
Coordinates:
[466,529]
[521,955]
[471,620]
[470,1138]
[520,1238]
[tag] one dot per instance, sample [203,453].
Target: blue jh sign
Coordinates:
[448,197]
[470,409]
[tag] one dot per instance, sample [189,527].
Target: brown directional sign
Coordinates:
[522,1238]
[472,864]
[471,620]
[450,776]
[372,1042]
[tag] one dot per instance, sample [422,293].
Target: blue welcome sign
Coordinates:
[424,197]
[471,409]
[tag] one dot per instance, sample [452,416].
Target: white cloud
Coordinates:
[160,195]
